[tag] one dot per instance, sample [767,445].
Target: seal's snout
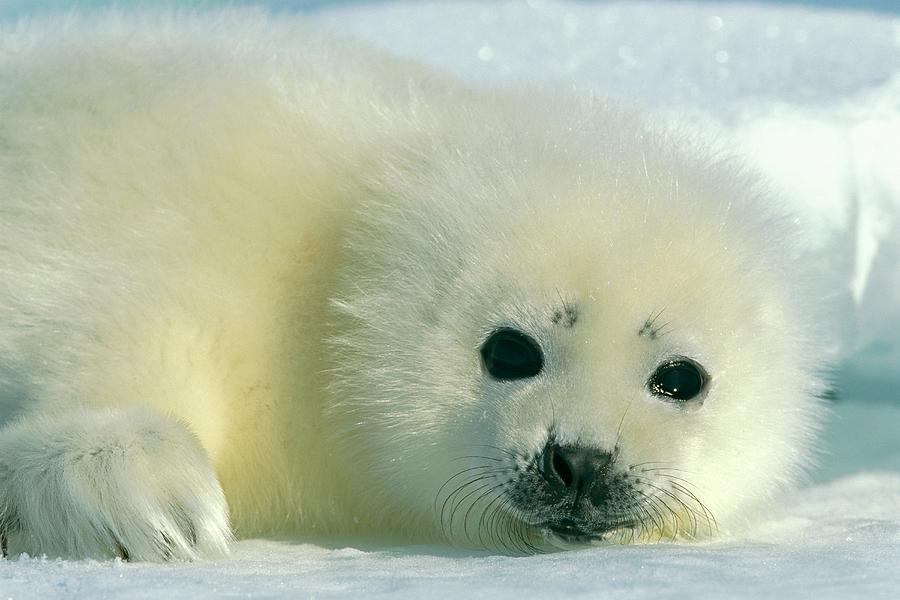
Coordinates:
[576,470]
[575,492]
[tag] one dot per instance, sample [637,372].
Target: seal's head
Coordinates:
[570,330]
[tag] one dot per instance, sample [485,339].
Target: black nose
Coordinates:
[575,469]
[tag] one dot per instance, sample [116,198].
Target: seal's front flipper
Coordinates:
[126,482]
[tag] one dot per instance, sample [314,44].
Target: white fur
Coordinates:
[98,482]
[294,247]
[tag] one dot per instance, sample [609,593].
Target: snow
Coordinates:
[811,93]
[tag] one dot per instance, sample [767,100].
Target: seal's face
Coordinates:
[541,358]
[624,381]
[578,491]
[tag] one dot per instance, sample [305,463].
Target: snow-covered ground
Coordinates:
[811,93]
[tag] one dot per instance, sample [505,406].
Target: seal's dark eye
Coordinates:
[680,379]
[510,354]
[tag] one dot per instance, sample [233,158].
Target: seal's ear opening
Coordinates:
[510,354]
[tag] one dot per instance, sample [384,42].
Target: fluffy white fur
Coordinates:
[235,253]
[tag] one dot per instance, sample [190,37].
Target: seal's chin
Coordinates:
[572,532]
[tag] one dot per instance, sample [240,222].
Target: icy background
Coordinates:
[810,92]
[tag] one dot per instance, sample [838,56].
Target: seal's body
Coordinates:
[242,265]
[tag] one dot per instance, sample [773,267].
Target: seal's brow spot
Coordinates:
[647,331]
[651,329]
[571,316]
[567,316]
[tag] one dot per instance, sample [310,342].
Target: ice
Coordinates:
[811,93]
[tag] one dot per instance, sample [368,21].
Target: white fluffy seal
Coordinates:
[248,270]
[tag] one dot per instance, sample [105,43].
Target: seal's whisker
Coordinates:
[659,462]
[694,513]
[472,505]
[524,531]
[516,531]
[621,422]
[710,518]
[635,520]
[649,506]
[681,487]
[446,528]
[502,525]
[503,451]
[488,511]
[496,523]
[454,476]
[460,501]
[690,513]
[645,517]
[660,473]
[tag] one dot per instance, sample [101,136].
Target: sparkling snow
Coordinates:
[810,91]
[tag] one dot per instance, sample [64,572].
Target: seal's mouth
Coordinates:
[570,531]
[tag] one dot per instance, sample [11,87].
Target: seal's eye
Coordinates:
[681,380]
[510,354]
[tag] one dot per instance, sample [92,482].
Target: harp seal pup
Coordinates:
[254,280]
